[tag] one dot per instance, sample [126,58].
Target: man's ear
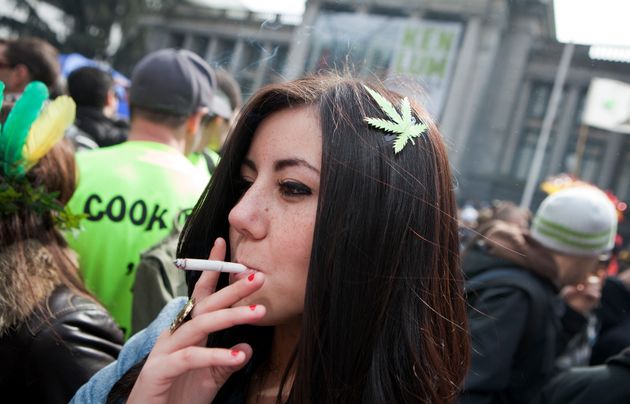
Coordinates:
[111,99]
[111,104]
[194,121]
[193,124]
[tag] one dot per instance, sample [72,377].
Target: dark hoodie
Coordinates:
[101,129]
[515,316]
[614,315]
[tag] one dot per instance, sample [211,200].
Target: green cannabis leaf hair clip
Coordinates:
[403,124]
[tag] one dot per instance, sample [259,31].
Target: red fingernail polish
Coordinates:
[251,277]
[252,307]
[235,352]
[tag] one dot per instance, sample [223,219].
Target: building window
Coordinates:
[275,67]
[590,163]
[199,45]
[177,40]
[246,69]
[622,182]
[525,153]
[224,51]
[252,55]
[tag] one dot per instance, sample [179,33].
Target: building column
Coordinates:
[516,130]
[262,66]
[492,124]
[211,49]
[237,55]
[459,93]
[300,45]
[477,81]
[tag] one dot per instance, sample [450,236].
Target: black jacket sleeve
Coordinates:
[497,323]
[603,384]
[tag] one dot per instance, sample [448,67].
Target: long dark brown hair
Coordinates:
[384,317]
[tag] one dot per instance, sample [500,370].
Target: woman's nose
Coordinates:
[247,216]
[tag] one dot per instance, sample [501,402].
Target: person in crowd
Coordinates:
[518,322]
[468,221]
[231,90]
[215,126]
[506,211]
[92,89]
[157,279]
[337,197]
[605,383]
[53,334]
[614,316]
[499,212]
[23,60]
[132,192]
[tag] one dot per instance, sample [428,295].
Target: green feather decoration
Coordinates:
[402,124]
[1,100]
[17,194]
[18,124]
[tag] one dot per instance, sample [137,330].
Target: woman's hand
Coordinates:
[180,368]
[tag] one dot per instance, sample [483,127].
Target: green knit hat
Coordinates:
[576,221]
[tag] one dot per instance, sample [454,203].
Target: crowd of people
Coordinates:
[362,282]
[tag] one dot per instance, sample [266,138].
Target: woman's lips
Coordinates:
[249,271]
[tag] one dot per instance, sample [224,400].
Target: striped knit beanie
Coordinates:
[576,221]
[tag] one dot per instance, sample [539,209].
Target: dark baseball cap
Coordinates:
[175,81]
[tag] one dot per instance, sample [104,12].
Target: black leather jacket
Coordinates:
[46,361]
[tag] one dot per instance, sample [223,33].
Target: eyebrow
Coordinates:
[284,163]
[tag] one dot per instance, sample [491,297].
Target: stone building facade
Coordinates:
[487,66]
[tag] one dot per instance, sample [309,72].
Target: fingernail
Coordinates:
[252,307]
[251,277]
[235,352]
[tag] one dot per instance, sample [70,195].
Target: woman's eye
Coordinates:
[292,188]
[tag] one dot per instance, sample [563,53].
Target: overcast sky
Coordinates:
[588,22]
[294,7]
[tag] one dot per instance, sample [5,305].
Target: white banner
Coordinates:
[608,105]
[415,57]
[426,52]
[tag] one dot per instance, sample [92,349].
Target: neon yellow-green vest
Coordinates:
[132,193]
[199,160]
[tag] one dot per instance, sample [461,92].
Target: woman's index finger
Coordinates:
[207,283]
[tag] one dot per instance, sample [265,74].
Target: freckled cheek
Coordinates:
[303,244]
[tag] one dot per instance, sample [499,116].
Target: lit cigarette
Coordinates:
[191,264]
